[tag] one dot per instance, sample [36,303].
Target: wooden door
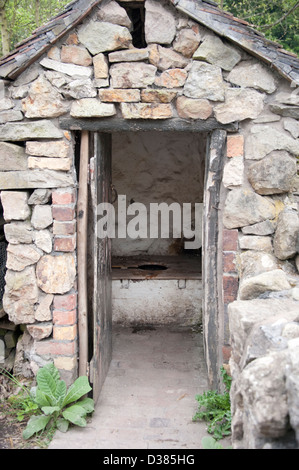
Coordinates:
[102,284]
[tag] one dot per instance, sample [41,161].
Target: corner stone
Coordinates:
[56,274]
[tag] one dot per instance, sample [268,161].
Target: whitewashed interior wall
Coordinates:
[157,167]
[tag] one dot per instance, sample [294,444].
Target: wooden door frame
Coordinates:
[212,232]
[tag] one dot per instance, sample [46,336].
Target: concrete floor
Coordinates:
[148,399]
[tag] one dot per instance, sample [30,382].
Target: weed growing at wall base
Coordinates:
[59,406]
[214,408]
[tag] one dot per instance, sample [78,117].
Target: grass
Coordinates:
[16,408]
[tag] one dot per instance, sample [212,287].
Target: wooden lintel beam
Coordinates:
[111,125]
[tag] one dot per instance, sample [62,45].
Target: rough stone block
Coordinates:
[12,157]
[264,139]
[32,179]
[205,81]
[114,13]
[41,217]
[186,42]
[270,281]
[40,331]
[273,174]
[129,55]
[214,51]
[146,111]
[56,274]
[173,78]
[75,71]
[253,75]
[233,174]
[120,96]
[15,205]
[89,107]
[43,240]
[157,96]
[101,67]
[164,58]
[189,108]
[43,309]
[286,235]
[101,36]
[132,75]
[21,295]
[20,131]
[21,256]
[18,232]
[44,101]
[240,104]
[160,23]
[54,149]
[77,55]
[244,207]
[60,164]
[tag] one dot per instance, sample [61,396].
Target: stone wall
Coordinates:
[185,72]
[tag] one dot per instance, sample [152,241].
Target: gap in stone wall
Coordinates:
[159,278]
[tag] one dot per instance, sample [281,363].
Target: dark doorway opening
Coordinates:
[136,13]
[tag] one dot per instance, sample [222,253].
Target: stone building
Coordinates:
[191,105]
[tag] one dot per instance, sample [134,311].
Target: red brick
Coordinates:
[65,244]
[230,288]
[226,353]
[67,197]
[65,302]
[55,348]
[64,228]
[229,262]
[64,318]
[65,333]
[235,146]
[63,213]
[230,240]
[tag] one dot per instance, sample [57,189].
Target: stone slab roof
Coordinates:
[205,12]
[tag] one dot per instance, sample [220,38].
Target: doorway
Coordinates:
[141,167]
[158,180]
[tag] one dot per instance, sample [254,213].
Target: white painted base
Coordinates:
[157,302]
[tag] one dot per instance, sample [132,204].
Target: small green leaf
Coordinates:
[79,388]
[210,443]
[47,379]
[60,392]
[62,425]
[75,414]
[49,410]
[87,404]
[41,399]
[35,425]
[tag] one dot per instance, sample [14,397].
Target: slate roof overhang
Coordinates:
[205,12]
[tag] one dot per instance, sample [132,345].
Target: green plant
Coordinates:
[214,408]
[21,403]
[208,442]
[58,406]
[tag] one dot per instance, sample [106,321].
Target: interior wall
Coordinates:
[153,167]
